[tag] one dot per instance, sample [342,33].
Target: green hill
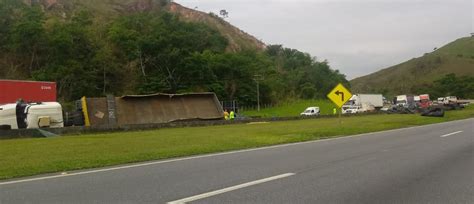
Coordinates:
[105,10]
[413,76]
[93,48]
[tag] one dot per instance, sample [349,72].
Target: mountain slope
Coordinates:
[456,57]
[238,39]
[105,10]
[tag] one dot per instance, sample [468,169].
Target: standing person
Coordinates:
[226,115]
[334,111]
[232,115]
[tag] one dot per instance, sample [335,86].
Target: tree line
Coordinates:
[450,85]
[149,52]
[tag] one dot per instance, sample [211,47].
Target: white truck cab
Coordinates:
[311,111]
[402,100]
[31,115]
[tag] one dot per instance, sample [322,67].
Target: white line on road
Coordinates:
[232,188]
[447,135]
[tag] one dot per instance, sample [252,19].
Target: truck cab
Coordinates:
[31,115]
[450,100]
[402,100]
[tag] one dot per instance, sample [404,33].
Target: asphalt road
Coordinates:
[429,164]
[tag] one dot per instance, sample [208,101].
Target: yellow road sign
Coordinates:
[339,95]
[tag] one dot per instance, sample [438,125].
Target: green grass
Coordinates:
[291,109]
[25,157]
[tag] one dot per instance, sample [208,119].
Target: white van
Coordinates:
[311,111]
[31,115]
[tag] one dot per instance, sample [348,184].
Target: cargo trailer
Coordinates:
[29,91]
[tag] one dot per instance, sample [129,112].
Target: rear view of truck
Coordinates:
[361,103]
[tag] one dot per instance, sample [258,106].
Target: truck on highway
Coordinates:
[450,100]
[405,101]
[361,103]
[425,101]
[31,115]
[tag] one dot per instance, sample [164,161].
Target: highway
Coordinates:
[428,164]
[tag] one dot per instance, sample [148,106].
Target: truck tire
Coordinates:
[5,127]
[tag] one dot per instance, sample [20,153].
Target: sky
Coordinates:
[357,37]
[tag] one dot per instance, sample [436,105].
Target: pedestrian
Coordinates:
[226,115]
[334,111]
[232,115]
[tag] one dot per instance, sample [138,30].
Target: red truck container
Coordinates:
[29,91]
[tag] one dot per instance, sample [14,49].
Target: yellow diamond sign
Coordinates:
[339,95]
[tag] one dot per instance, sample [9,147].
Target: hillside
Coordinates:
[238,39]
[93,48]
[106,10]
[410,77]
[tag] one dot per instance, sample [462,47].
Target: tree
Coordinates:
[160,46]
[27,35]
[451,85]
[224,13]
[72,58]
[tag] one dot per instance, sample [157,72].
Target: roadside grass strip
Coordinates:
[27,157]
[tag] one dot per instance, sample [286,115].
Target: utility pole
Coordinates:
[257,79]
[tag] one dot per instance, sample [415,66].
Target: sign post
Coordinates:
[339,96]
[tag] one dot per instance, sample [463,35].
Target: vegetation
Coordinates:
[292,109]
[24,157]
[142,51]
[451,85]
[418,76]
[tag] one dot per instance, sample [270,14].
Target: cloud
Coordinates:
[357,37]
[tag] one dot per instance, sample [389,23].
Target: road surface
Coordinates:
[429,164]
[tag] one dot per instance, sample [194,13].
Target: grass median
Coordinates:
[292,109]
[26,157]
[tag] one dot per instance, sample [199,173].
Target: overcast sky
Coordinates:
[358,37]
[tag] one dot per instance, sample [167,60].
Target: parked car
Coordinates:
[311,111]
[354,110]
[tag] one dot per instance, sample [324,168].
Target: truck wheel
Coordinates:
[5,127]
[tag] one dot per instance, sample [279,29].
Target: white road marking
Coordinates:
[212,155]
[447,135]
[232,188]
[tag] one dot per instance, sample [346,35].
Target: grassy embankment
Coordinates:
[456,57]
[25,157]
[291,109]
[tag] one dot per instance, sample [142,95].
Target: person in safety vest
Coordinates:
[334,111]
[232,115]
[226,115]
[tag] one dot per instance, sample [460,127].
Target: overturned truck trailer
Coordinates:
[150,109]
